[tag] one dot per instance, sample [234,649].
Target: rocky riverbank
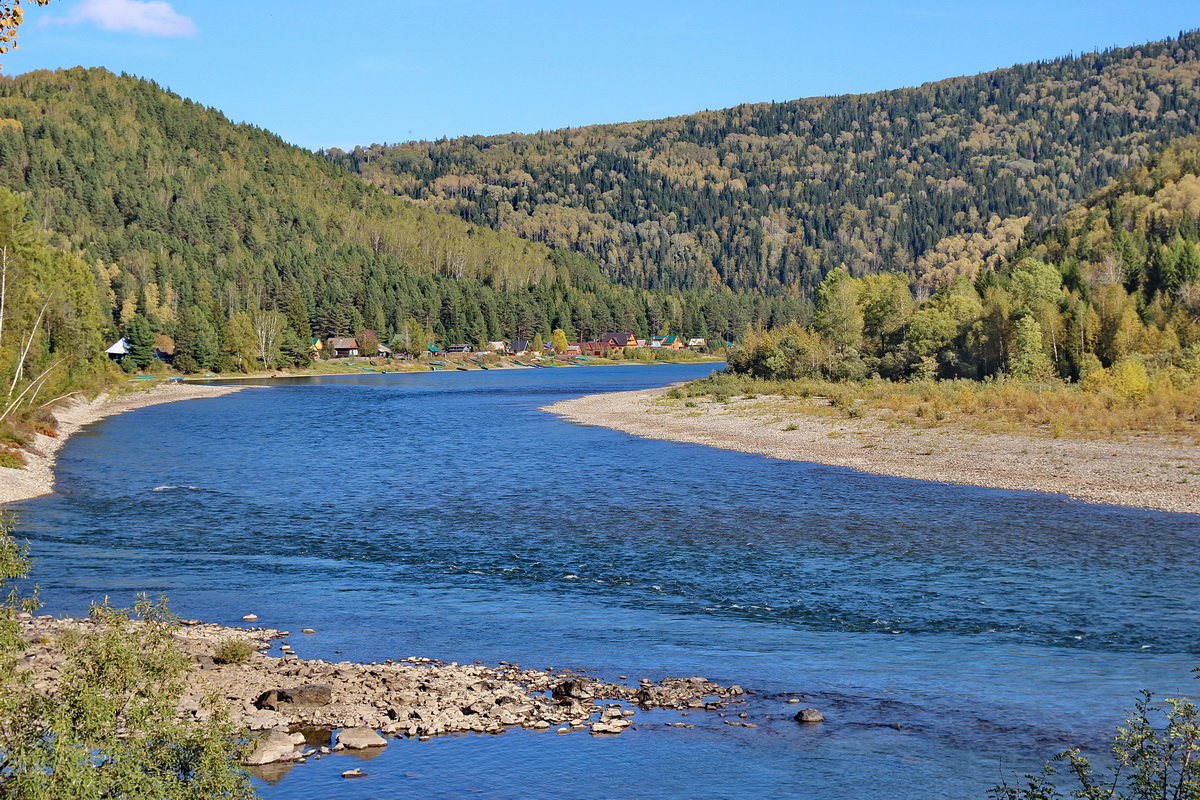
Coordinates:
[37,477]
[297,704]
[1146,471]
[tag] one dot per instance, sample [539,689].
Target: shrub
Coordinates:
[12,460]
[233,651]
[1155,756]
[109,727]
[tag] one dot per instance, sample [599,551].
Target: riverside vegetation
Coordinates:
[1092,328]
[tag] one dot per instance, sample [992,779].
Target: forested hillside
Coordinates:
[223,236]
[930,181]
[1110,297]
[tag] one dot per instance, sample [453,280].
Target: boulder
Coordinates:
[808,716]
[360,738]
[572,690]
[275,746]
[310,694]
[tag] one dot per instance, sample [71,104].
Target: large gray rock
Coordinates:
[808,716]
[275,746]
[360,738]
[310,694]
[572,690]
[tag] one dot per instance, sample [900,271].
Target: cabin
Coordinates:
[497,347]
[593,348]
[519,346]
[459,348]
[671,343]
[697,344]
[118,349]
[342,347]
[618,341]
[383,351]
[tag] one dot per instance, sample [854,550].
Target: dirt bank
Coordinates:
[1145,471]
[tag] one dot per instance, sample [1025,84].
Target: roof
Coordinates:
[343,343]
[433,348]
[620,339]
[669,339]
[521,344]
[118,348]
[383,348]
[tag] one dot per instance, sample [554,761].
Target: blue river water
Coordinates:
[952,635]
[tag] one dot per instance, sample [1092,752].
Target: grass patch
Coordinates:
[1052,409]
[233,651]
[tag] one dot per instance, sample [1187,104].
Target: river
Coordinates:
[950,634]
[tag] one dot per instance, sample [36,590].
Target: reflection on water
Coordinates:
[948,632]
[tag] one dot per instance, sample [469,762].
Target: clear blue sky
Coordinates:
[323,73]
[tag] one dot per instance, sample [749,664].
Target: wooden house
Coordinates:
[697,344]
[342,347]
[459,348]
[618,341]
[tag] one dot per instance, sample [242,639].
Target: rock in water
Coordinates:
[572,690]
[310,694]
[275,746]
[354,773]
[360,738]
[250,618]
[809,716]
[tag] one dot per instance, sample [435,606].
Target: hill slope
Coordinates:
[774,196]
[196,222]
[1109,297]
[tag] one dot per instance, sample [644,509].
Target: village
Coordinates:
[608,345]
[366,344]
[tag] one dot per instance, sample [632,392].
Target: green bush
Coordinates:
[109,727]
[233,651]
[1156,757]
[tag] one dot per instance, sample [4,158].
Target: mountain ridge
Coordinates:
[772,196]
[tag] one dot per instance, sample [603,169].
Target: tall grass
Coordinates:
[1167,404]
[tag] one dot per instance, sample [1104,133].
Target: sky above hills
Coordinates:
[327,74]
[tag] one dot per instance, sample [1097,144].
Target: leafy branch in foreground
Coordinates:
[1153,761]
[108,726]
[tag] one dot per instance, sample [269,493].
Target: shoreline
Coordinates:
[1147,472]
[304,709]
[37,478]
